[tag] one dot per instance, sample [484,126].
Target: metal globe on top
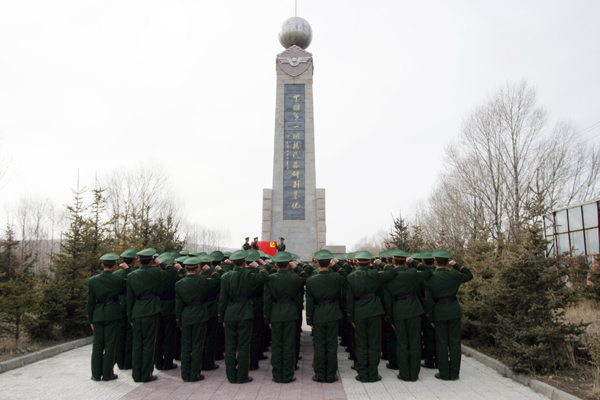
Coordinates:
[295,31]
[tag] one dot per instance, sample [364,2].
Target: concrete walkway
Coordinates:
[67,376]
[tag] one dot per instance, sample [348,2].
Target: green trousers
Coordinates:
[210,344]
[428,343]
[389,336]
[124,345]
[104,348]
[256,341]
[165,342]
[447,340]
[237,349]
[408,348]
[192,343]
[368,348]
[283,354]
[144,341]
[325,359]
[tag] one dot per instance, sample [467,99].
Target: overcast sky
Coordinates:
[94,86]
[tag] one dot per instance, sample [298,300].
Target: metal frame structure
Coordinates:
[574,230]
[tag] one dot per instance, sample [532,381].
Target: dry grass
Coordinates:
[8,349]
[587,311]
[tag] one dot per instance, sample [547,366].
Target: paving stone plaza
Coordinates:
[67,376]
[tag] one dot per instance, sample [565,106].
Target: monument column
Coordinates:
[295,208]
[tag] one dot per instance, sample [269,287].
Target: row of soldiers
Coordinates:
[248,299]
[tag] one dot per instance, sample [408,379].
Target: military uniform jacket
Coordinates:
[254,245]
[323,287]
[167,293]
[190,293]
[145,283]
[363,285]
[103,288]
[246,246]
[280,295]
[281,247]
[444,284]
[406,283]
[123,273]
[213,292]
[236,286]
[257,296]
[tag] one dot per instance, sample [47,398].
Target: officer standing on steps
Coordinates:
[143,308]
[191,314]
[404,309]
[236,314]
[281,313]
[281,245]
[364,313]
[105,317]
[125,342]
[323,315]
[246,245]
[446,315]
[254,244]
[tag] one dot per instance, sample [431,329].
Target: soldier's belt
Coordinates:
[147,296]
[324,302]
[210,299]
[365,296]
[108,301]
[193,303]
[239,299]
[284,300]
[170,295]
[445,299]
[255,296]
[405,297]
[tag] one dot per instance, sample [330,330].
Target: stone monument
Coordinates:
[294,208]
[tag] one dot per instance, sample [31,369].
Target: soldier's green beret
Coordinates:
[323,255]
[175,253]
[129,253]
[183,252]
[295,257]
[205,258]
[416,256]
[267,256]
[253,255]
[109,258]
[217,255]
[282,256]
[426,255]
[363,255]
[226,254]
[441,254]
[383,254]
[193,254]
[191,261]
[281,238]
[238,255]
[341,256]
[166,258]
[350,256]
[182,259]
[262,253]
[149,252]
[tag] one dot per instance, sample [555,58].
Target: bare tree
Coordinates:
[202,238]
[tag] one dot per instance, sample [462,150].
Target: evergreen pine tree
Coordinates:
[399,237]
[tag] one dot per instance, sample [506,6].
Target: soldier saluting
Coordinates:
[105,316]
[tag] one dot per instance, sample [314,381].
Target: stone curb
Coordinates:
[43,354]
[540,387]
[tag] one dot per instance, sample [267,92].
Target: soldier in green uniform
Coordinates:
[105,316]
[236,313]
[428,331]
[258,322]
[125,341]
[192,314]
[281,313]
[364,313]
[167,326]
[177,348]
[404,309]
[323,314]
[281,245]
[446,313]
[254,245]
[143,309]
[246,245]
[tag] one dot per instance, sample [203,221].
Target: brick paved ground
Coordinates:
[67,376]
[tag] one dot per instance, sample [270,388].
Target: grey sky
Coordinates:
[103,85]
